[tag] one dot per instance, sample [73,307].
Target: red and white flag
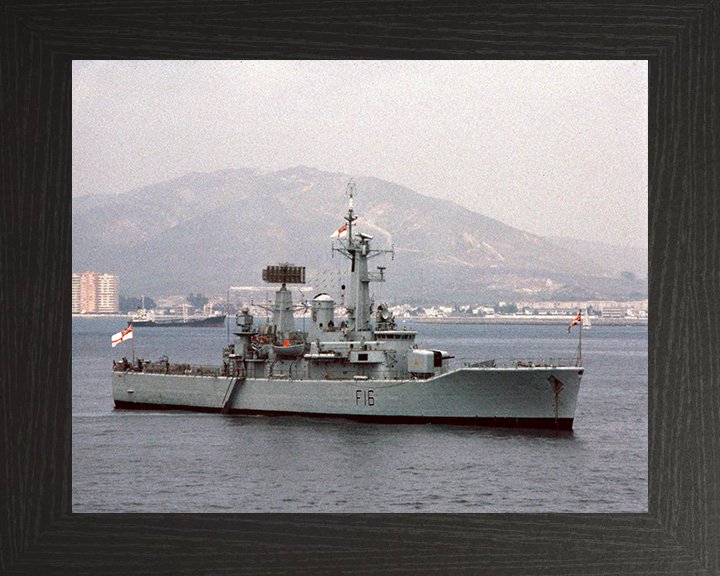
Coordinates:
[341,232]
[578,320]
[120,336]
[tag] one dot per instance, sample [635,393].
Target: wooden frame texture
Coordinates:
[39,534]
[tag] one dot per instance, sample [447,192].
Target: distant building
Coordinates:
[609,308]
[76,293]
[614,312]
[95,293]
[108,294]
[89,292]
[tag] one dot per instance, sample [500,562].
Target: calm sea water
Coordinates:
[143,461]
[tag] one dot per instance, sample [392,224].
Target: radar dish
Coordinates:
[284,274]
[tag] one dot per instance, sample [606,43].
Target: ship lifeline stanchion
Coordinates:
[578,320]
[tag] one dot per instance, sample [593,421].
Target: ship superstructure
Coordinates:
[359,366]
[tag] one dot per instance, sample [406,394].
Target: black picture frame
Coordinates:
[39,534]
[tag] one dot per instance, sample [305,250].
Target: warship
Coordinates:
[361,366]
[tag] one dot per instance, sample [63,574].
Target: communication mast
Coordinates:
[356,248]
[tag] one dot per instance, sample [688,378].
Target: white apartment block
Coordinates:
[108,294]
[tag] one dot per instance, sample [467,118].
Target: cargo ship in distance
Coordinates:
[363,368]
[146,319]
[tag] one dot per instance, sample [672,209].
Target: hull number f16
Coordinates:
[364,398]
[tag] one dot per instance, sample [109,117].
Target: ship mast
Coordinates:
[283,274]
[350,218]
[356,247]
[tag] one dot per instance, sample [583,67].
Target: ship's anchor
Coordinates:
[557,385]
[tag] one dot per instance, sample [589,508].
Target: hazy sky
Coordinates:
[553,148]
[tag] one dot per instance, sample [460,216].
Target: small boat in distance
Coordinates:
[586,321]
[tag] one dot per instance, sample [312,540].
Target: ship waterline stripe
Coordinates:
[493,422]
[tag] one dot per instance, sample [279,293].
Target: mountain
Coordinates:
[616,259]
[208,232]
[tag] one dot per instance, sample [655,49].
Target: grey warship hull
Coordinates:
[533,397]
[365,368]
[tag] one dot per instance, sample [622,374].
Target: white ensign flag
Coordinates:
[341,232]
[120,336]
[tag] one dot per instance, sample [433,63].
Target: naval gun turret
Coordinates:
[235,355]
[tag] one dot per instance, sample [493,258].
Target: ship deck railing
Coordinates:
[162,367]
[525,363]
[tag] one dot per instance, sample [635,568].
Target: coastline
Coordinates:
[128,316]
[541,320]
[526,320]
